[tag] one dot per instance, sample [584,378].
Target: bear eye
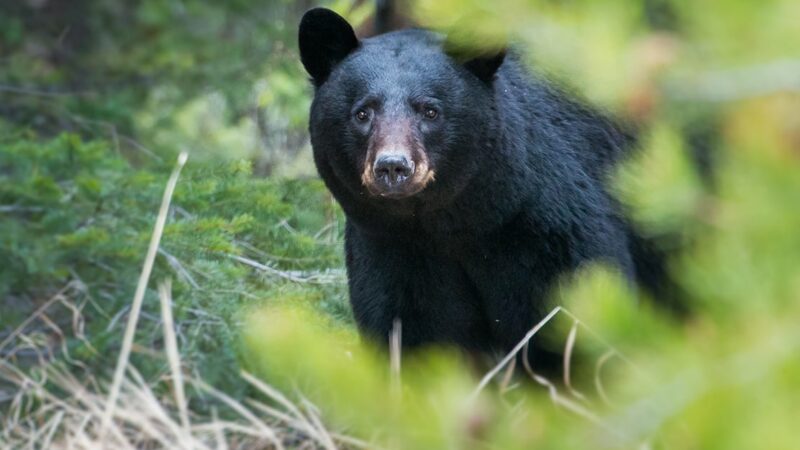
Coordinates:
[431,113]
[362,115]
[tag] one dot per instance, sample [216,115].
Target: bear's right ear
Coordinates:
[485,66]
[480,53]
[325,39]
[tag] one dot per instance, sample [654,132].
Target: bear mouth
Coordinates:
[395,194]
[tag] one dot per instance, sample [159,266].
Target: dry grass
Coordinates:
[62,405]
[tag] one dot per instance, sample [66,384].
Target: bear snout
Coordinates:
[395,163]
[395,175]
[393,170]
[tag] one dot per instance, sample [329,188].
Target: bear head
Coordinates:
[398,120]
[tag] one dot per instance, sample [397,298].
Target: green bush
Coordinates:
[78,210]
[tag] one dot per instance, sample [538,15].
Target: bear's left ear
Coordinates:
[325,39]
[485,66]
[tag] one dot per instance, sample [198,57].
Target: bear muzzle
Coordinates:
[396,175]
[396,164]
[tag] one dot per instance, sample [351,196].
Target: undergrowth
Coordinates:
[78,211]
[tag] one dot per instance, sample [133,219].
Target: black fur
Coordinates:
[325,39]
[518,198]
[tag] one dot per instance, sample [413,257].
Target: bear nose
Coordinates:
[393,170]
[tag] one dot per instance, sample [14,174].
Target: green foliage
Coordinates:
[218,78]
[429,408]
[77,210]
[612,48]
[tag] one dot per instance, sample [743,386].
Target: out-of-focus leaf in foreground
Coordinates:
[429,405]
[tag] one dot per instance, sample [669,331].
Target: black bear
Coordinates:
[469,185]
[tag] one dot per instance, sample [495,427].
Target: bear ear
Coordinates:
[485,66]
[482,63]
[325,39]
